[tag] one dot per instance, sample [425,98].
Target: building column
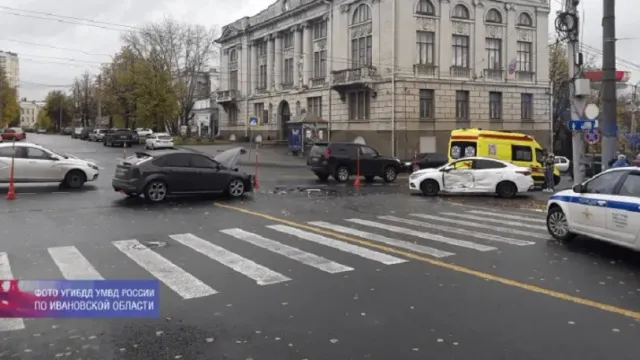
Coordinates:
[297,57]
[254,75]
[224,70]
[270,56]
[277,68]
[307,55]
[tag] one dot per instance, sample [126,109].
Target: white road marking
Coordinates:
[424,235]
[72,264]
[503,222]
[340,245]
[60,192]
[259,273]
[8,324]
[460,231]
[288,251]
[178,280]
[531,219]
[482,226]
[383,239]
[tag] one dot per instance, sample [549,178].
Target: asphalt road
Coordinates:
[369,273]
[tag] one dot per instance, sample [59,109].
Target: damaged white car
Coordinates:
[473,175]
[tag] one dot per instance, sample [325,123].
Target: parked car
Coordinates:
[36,164]
[339,159]
[84,135]
[158,141]
[66,130]
[180,171]
[16,133]
[76,133]
[144,132]
[562,163]
[473,175]
[41,131]
[118,137]
[424,161]
[97,134]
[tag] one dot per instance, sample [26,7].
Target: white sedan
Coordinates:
[473,175]
[36,164]
[158,141]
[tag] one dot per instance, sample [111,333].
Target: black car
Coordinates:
[118,137]
[156,174]
[84,135]
[339,159]
[424,161]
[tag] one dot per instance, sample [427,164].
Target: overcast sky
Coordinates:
[44,68]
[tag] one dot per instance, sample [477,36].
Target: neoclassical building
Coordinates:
[399,74]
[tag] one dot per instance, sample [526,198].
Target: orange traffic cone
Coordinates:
[357,182]
[11,194]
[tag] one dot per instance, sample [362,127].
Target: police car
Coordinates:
[605,207]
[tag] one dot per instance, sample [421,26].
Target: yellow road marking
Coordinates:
[442,264]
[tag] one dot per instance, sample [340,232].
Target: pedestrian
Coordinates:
[620,162]
[549,166]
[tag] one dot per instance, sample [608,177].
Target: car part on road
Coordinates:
[557,224]
[75,179]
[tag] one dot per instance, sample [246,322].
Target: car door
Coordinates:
[40,166]
[588,210]
[623,212]
[458,176]
[487,174]
[181,177]
[6,153]
[368,161]
[210,176]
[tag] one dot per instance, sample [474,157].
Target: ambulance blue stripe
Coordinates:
[611,204]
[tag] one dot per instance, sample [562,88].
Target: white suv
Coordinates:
[36,164]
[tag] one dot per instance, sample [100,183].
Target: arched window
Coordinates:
[494,16]
[233,69]
[361,40]
[425,7]
[525,20]
[460,12]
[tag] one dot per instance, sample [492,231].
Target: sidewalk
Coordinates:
[267,156]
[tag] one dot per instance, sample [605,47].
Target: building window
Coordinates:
[460,51]
[359,102]
[425,47]
[524,56]
[262,77]
[460,12]
[288,71]
[425,7]
[361,42]
[233,70]
[494,17]
[525,20]
[495,105]
[258,111]
[320,64]
[462,105]
[426,104]
[233,116]
[320,30]
[262,48]
[526,106]
[494,54]
[287,40]
[314,106]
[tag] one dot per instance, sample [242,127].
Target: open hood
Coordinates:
[229,158]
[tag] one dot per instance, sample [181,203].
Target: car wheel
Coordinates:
[322,177]
[390,174]
[429,188]
[506,189]
[236,188]
[341,174]
[557,224]
[75,179]
[155,191]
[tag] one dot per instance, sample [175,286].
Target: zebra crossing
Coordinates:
[439,236]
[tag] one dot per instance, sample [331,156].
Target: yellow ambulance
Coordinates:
[519,149]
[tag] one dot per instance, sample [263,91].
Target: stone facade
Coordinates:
[457,63]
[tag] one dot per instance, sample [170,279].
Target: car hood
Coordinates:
[229,158]
[72,159]
[424,171]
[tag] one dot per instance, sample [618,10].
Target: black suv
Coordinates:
[339,159]
[118,137]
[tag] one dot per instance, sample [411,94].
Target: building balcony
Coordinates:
[353,79]
[287,86]
[493,74]
[425,70]
[262,90]
[317,82]
[227,98]
[459,72]
[525,76]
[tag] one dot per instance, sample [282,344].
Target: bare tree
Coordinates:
[186,50]
[82,96]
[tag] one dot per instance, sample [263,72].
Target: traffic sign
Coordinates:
[579,125]
[591,111]
[592,136]
[253,121]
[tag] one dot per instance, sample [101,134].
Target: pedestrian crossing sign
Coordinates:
[254,121]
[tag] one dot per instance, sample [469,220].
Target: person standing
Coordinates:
[549,165]
[620,162]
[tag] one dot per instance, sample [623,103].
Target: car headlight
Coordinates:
[414,176]
[93,166]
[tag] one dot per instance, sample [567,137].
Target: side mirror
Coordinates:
[447,168]
[578,188]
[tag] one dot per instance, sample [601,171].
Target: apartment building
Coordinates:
[399,74]
[9,61]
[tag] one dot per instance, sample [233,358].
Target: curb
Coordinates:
[272,164]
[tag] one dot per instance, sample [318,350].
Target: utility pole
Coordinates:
[609,96]
[99,119]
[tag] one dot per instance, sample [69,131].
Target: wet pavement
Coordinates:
[325,271]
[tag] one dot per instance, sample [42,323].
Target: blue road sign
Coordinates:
[253,121]
[592,136]
[580,125]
